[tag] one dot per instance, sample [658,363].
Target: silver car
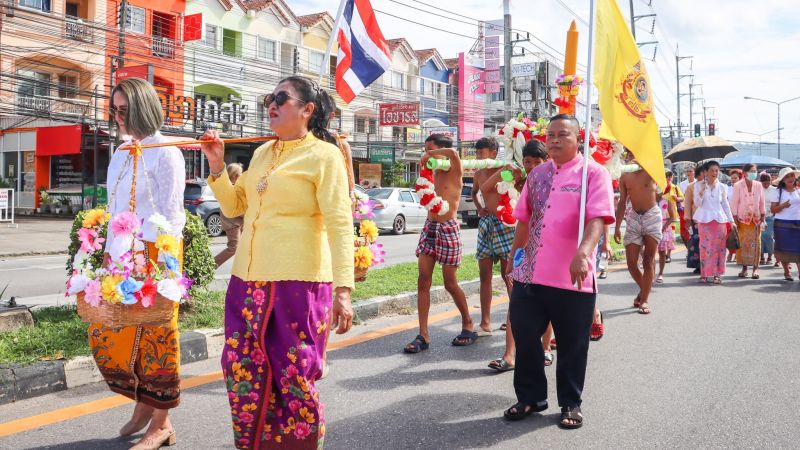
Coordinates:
[397,209]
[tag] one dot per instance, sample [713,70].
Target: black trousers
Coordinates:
[532,307]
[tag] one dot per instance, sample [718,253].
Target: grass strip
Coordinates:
[59,333]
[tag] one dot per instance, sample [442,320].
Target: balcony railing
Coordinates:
[78,30]
[163,47]
[54,105]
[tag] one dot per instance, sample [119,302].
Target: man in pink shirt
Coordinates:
[555,282]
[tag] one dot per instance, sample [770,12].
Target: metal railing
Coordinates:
[163,47]
[78,30]
[54,105]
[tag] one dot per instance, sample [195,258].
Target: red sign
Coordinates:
[398,114]
[193,27]
[142,72]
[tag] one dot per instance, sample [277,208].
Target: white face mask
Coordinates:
[752,175]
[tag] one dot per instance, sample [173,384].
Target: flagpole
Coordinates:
[587,151]
[327,61]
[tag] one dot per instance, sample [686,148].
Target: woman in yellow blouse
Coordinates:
[295,254]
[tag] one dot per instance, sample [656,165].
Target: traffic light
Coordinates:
[697,130]
[711,129]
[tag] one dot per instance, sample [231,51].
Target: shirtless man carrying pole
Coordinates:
[440,242]
[643,221]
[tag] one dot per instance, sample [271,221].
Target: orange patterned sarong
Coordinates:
[140,362]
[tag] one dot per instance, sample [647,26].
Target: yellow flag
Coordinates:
[626,97]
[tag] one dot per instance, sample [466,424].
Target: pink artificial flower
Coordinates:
[139,263]
[258,356]
[126,223]
[294,406]
[302,430]
[377,253]
[258,296]
[245,417]
[365,209]
[92,293]
[291,371]
[89,240]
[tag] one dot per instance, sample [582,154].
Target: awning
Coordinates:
[55,141]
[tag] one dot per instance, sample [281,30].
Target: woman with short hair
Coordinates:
[712,216]
[143,362]
[785,204]
[748,212]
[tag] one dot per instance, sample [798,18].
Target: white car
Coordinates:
[397,209]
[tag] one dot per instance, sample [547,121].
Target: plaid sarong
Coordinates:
[442,240]
[495,238]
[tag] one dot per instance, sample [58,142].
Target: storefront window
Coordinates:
[65,171]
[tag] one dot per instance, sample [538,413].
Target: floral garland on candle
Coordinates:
[568,86]
[128,278]
[428,197]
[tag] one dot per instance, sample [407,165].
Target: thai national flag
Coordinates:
[363,53]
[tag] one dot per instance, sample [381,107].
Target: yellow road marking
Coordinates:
[82,409]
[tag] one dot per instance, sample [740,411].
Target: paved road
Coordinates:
[44,277]
[712,367]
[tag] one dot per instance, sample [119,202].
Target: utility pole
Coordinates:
[123,18]
[507,50]
[633,22]
[691,102]
[678,77]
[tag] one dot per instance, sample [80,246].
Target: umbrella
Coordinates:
[699,149]
[739,159]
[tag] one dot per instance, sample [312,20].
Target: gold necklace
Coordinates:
[279,155]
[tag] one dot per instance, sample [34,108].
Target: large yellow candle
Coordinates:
[571,54]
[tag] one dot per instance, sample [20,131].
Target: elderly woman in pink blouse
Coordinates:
[748,209]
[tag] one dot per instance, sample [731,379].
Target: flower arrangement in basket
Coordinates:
[368,252]
[129,287]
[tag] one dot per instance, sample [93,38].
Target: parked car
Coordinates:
[199,199]
[467,211]
[397,209]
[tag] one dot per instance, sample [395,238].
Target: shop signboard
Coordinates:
[369,175]
[451,132]
[398,114]
[382,154]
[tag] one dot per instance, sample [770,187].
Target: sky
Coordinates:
[739,48]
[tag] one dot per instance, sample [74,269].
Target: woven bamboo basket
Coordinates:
[118,315]
[360,275]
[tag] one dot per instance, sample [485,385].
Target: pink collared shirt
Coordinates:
[748,206]
[550,203]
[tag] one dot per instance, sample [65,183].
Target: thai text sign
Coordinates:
[398,114]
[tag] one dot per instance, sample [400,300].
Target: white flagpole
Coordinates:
[327,61]
[587,124]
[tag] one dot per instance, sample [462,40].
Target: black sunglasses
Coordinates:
[280,99]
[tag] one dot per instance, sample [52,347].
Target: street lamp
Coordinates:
[759,138]
[778,104]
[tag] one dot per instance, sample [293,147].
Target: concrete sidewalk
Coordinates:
[35,236]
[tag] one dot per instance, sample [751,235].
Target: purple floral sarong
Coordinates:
[275,334]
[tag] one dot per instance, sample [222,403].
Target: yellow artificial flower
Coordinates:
[363,258]
[369,230]
[167,244]
[94,217]
[109,288]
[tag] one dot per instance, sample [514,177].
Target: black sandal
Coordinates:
[571,413]
[520,412]
[417,345]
